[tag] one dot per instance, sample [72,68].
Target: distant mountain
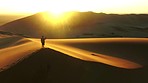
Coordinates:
[81,24]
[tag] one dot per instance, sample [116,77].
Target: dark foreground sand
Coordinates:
[49,66]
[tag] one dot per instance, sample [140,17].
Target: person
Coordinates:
[43,41]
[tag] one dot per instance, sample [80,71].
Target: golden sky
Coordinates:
[59,6]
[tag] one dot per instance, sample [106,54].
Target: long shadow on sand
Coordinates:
[49,66]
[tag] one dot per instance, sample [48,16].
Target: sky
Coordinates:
[59,6]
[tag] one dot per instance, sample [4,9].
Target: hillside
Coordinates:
[81,24]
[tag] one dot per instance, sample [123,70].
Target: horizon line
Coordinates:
[29,13]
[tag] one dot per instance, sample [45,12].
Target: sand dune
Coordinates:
[81,24]
[116,52]
[49,66]
[14,49]
[9,41]
[80,60]
[93,56]
[133,49]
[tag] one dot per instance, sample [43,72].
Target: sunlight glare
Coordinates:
[58,18]
[60,6]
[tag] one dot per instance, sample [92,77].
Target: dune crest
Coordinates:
[15,51]
[110,51]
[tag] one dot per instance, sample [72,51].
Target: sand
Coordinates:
[93,60]
[49,66]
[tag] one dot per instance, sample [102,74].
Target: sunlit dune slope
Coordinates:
[128,53]
[80,24]
[86,60]
[46,65]
[14,49]
[134,49]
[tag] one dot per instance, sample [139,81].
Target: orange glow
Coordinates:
[60,6]
[58,19]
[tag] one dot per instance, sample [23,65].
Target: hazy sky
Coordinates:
[57,6]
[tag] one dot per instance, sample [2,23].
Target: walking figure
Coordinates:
[43,41]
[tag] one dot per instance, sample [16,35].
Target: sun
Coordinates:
[59,6]
[57,12]
[58,18]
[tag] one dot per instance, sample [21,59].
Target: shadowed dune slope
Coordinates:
[49,66]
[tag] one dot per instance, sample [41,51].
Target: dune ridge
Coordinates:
[15,51]
[90,51]
[46,65]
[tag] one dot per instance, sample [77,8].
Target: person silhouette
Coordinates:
[43,41]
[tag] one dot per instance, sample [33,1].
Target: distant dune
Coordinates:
[8,41]
[81,24]
[8,18]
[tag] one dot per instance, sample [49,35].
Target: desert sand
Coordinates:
[87,60]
